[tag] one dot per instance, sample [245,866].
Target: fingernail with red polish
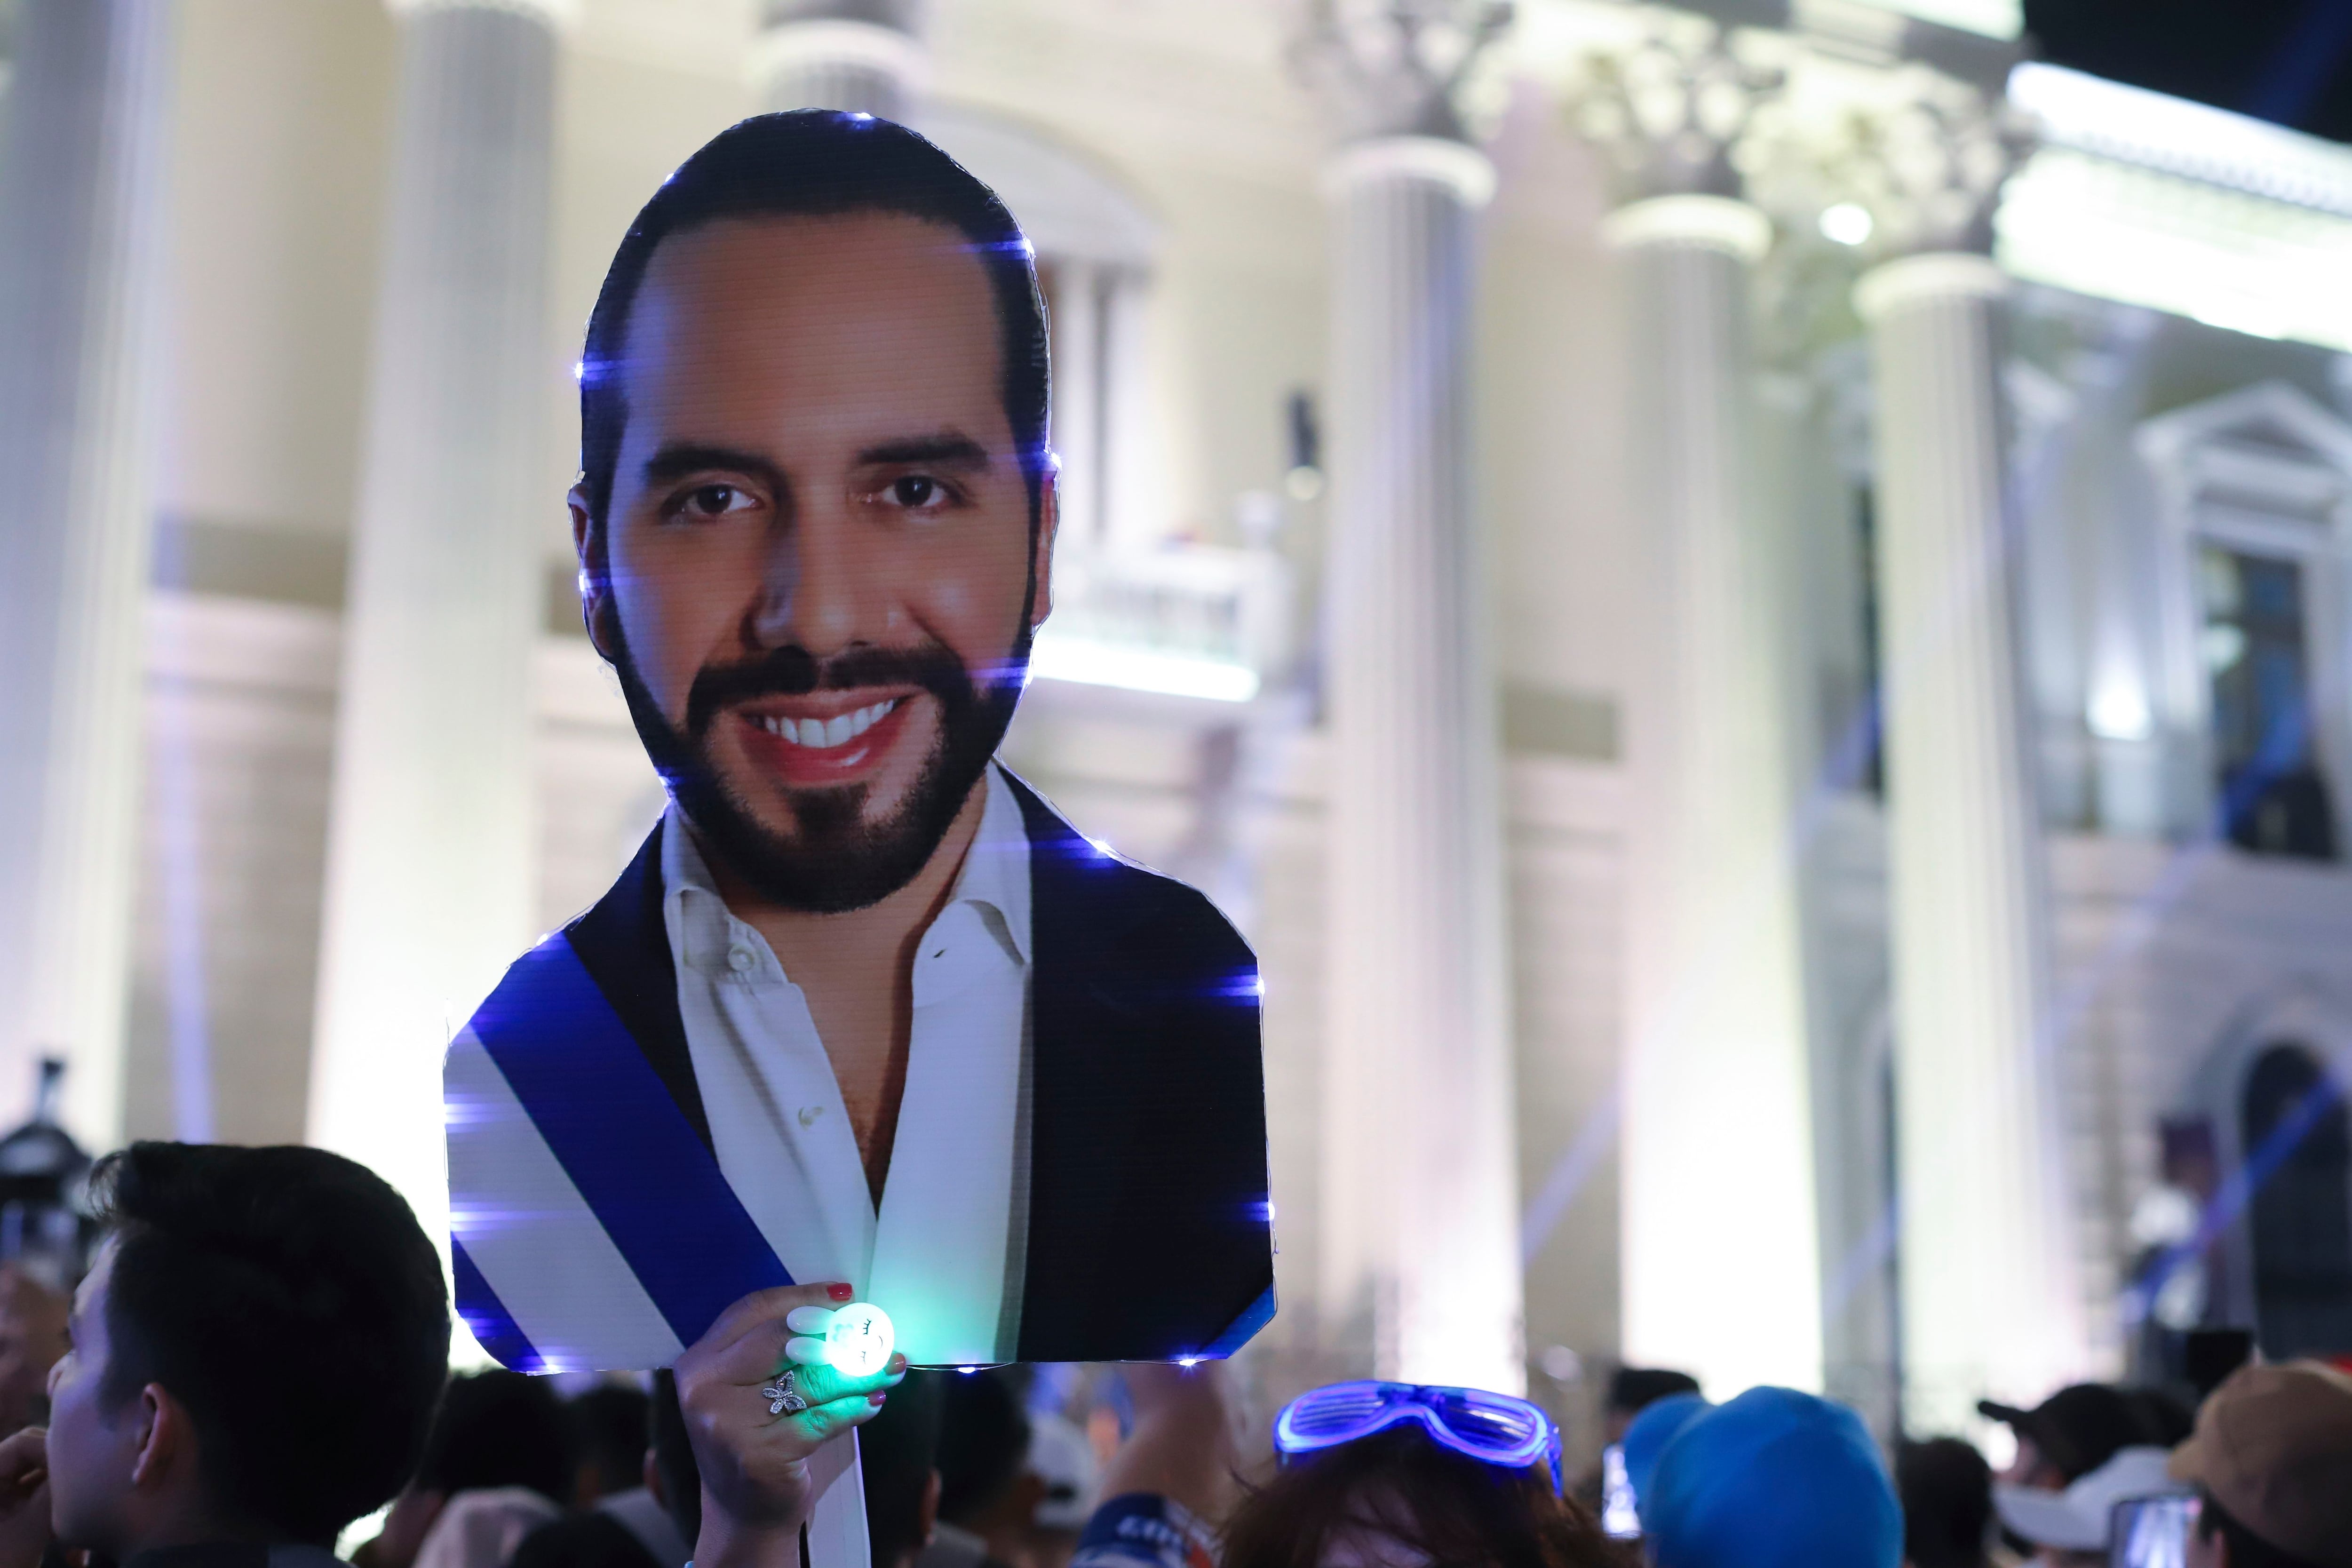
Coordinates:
[875,1398]
[839,1292]
[897,1365]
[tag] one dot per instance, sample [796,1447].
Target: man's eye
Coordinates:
[915,490]
[714,500]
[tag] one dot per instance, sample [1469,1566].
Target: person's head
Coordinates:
[1774,1479]
[2072,1433]
[608,1440]
[670,1474]
[256,1351]
[983,1452]
[32,1338]
[2075,1526]
[493,1429]
[1945,1488]
[1399,1499]
[816,510]
[1633,1389]
[498,1428]
[1647,1435]
[898,1461]
[2270,1456]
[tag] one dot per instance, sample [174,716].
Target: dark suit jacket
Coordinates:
[1150,1230]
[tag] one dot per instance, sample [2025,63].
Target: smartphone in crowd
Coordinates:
[2152,1531]
[1618,1518]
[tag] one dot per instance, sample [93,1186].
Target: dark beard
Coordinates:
[838,862]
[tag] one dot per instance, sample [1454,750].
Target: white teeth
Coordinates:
[826,734]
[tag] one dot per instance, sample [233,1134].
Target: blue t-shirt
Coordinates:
[1144,1530]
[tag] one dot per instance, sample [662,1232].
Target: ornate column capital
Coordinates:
[1398,67]
[1669,105]
[1924,156]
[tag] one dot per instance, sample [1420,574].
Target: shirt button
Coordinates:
[740,960]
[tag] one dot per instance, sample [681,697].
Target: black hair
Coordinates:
[673,1451]
[2246,1549]
[1633,1389]
[498,1428]
[897,1451]
[1947,1492]
[983,1444]
[590,1540]
[268,1290]
[608,1437]
[813,162]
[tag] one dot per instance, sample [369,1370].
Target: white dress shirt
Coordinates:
[944,1257]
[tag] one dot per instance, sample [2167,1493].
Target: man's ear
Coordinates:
[167,1437]
[594,551]
[650,1473]
[1041,566]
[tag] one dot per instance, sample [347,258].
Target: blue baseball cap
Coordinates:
[1650,1433]
[1774,1479]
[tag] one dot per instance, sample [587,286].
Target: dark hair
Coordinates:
[2246,1549]
[813,162]
[983,1444]
[673,1459]
[591,1540]
[897,1452]
[1633,1389]
[1399,1483]
[608,1436]
[1947,1492]
[498,1428]
[267,1290]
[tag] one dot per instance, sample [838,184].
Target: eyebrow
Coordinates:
[944,448]
[675,460]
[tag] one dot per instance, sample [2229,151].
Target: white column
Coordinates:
[82,209]
[1419,1177]
[1989,1302]
[1077,308]
[429,864]
[1717,1168]
[862,57]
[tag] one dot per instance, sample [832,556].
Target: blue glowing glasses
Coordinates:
[1494,1428]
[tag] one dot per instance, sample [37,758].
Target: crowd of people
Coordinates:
[258,1358]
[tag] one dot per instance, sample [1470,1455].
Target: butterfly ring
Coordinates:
[784,1398]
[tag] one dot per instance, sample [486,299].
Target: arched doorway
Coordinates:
[2298,1153]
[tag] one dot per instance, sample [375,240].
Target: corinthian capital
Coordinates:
[1669,102]
[1397,67]
[1923,154]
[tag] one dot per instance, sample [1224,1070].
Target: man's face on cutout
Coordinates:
[818,548]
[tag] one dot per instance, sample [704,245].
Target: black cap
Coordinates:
[2081,1427]
[1633,1389]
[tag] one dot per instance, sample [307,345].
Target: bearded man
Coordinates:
[863,1007]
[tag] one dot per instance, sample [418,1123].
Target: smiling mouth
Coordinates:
[824,734]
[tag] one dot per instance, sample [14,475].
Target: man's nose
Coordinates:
[816,590]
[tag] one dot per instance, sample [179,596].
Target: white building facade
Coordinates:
[1863,528]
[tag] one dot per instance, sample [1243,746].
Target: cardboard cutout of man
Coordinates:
[863,1006]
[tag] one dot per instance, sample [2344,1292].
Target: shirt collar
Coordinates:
[995,879]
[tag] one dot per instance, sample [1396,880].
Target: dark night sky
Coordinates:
[2284,60]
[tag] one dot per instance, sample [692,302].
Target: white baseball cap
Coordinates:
[2081,1518]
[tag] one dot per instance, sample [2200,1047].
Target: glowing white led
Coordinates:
[1848,223]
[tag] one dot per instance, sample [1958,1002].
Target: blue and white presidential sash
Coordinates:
[590,1227]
